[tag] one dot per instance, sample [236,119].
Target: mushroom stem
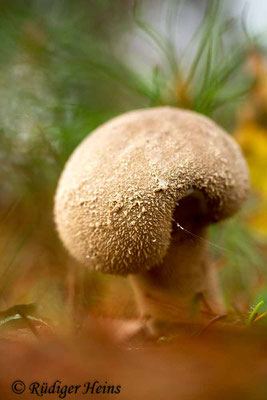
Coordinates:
[167,291]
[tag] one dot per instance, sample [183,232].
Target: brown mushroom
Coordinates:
[134,189]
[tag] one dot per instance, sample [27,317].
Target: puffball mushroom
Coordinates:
[133,190]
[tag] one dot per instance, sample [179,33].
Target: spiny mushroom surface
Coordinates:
[119,192]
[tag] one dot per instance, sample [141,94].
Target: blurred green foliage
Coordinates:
[60,79]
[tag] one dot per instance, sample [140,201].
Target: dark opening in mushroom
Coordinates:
[191,214]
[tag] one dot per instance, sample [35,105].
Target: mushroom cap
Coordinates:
[119,189]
